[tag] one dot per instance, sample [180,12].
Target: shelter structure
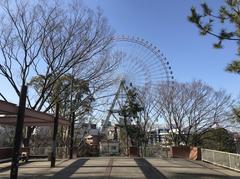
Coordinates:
[8,116]
[19,116]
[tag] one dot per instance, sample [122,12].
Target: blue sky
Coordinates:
[164,23]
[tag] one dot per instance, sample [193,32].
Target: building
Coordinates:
[88,137]
[109,147]
[110,144]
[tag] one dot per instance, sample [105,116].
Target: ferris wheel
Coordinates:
[141,65]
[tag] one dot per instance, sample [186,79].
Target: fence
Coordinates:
[156,151]
[61,152]
[229,160]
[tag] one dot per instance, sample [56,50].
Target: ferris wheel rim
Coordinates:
[154,49]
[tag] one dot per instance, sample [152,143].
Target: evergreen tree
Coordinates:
[218,139]
[223,24]
[130,110]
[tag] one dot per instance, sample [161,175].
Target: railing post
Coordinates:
[213,157]
[229,157]
[18,133]
[55,130]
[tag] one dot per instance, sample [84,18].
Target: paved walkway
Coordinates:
[116,168]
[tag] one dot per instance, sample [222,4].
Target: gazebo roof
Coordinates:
[8,116]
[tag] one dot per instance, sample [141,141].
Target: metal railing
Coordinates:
[224,159]
[61,152]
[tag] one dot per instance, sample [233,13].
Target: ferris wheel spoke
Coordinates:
[141,64]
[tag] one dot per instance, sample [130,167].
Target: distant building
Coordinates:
[158,135]
[113,133]
[109,147]
[88,136]
[163,135]
[86,129]
[110,144]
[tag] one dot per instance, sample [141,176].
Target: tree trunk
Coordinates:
[18,133]
[72,135]
[145,149]
[26,140]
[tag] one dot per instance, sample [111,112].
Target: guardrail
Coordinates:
[224,159]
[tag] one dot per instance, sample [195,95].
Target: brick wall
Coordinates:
[190,153]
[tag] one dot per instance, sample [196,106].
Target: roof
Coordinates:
[8,116]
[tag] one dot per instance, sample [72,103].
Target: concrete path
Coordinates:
[184,169]
[116,168]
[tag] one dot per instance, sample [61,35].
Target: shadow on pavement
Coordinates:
[70,169]
[148,170]
[88,171]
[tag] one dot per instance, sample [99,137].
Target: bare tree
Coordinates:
[149,116]
[48,40]
[190,109]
